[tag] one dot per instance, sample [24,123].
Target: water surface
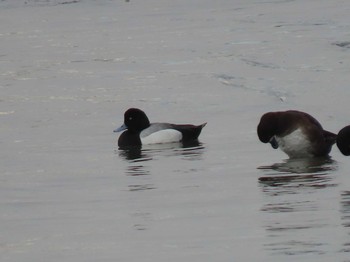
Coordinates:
[69,70]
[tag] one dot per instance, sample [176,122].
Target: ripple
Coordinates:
[296,248]
[345,44]
[141,187]
[138,170]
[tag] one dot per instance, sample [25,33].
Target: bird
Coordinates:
[343,140]
[296,133]
[139,131]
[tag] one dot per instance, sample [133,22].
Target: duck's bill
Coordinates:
[273,143]
[119,129]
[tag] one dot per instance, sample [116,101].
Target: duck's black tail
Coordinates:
[189,132]
[330,137]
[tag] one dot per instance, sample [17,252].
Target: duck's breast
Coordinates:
[295,144]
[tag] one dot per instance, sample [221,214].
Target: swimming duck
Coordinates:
[139,131]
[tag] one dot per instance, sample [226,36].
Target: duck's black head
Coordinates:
[136,120]
[268,127]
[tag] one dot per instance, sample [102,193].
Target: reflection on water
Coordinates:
[142,220]
[141,187]
[139,158]
[345,217]
[299,166]
[190,150]
[293,211]
[134,154]
[296,173]
[137,170]
[140,162]
[345,208]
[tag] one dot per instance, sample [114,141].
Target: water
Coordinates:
[69,70]
[292,191]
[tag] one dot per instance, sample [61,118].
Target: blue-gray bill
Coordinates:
[121,128]
[273,143]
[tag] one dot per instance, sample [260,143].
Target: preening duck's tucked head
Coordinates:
[268,127]
[343,141]
[297,133]
[135,120]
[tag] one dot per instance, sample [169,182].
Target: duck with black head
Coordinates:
[296,133]
[139,131]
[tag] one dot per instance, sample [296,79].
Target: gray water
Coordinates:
[69,70]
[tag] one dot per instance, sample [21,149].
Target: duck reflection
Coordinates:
[345,208]
[303,165]
[345,217]
[298,172]
[132,153]
[139,163]
[292,208]
[139,159]
[191,150]
[137,170]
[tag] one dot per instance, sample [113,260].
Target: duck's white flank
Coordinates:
[161,137]
[295,145]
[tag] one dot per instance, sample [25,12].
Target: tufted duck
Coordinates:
[296,133]
[139,131]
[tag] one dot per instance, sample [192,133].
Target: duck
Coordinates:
[139,131]
[343,140]
[296,133]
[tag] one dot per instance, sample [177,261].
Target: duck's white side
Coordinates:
[160,133]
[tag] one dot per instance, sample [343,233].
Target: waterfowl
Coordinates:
[296,133]
[139,131]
